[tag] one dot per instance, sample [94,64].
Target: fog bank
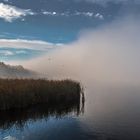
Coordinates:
[107,55]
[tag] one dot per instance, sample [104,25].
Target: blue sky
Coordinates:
[29,28]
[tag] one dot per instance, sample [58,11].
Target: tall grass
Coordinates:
[22,93]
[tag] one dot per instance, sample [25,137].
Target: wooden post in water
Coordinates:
[82,100]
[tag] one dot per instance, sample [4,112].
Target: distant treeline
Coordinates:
[23,93]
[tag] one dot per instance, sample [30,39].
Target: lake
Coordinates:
[109,113]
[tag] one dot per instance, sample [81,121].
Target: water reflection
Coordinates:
[111,113]
[19,118]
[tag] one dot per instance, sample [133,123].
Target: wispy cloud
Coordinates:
[106,1]
[98,15]
[89,14]
[49,13]
[21,52]
[10,13]
[27,44]
[76,13]
[6,53]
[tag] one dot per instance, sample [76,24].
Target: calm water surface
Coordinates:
[109,114]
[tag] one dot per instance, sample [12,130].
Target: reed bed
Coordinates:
[23,93]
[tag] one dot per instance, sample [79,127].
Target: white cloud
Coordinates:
[9,12]
[103,2]
[77,13]
[27,44]
[65,14]
[49,13]
[89,14]
[98,15]
[21,52]
[6,53]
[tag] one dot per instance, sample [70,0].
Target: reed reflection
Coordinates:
[20,117]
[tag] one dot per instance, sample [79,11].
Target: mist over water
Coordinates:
[108,55]
[106,62]
[104,58]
